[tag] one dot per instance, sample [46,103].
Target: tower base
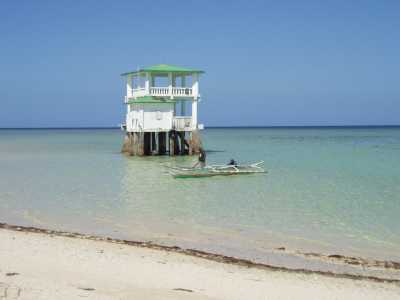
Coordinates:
[162,143]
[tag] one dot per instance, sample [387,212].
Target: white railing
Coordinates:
[139,92]
[182,91]
[159,91]
[163,92]
[182,123]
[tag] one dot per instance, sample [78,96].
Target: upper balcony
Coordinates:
[172,92]
[163,81]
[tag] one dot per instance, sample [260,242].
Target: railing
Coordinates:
[163,92]
[179,91]
[139,92]
[159,91]
[182,123]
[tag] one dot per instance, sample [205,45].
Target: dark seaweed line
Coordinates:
[357,261]
[196,253]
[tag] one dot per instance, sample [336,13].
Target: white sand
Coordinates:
[51,267]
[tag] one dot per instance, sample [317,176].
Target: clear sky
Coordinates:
[267,62]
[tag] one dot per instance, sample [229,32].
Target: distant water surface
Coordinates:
[329,190]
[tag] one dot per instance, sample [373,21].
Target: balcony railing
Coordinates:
[159,91]
[179,91]
[163,92]
[139,92]
[182,123]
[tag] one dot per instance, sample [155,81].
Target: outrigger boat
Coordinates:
[216,170]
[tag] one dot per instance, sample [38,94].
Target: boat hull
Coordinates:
[216,170]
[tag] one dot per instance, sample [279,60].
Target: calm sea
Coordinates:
[328,190]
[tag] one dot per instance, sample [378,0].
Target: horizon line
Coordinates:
[213,127]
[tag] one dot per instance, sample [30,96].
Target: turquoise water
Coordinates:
[330,190]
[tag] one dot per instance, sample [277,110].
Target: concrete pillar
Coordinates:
[195,142]
[140,144]
[194,114]
[171,143]
[147,83]
[177,149]
[133,144]
[153,143]
[162,147]
[195,91]
[195,85]
[126,144]
[182,142]
[147,142]
[170,85]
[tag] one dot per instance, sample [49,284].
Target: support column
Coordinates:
[153,143]
[147,141]
[170,85]
[126,146]
[182,142]
[140,143]
[190,143]
[195,142]
[194,114]
[162,147]
[147,83]
[195,91]
[134,144]
[177,149]
[171,143]
[129,86]
[195,85]
[174,143]
[138,76]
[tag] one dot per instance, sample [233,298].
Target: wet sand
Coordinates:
[35,264]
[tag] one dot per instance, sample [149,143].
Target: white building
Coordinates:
[162,104]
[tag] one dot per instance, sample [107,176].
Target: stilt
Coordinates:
[171,143]
[182,142]
[161,143]
[187,145]
[133,144]
[176,143]
[195,142]
[153,143]
[140,143]
[147,141]
[126,146]
[190,144]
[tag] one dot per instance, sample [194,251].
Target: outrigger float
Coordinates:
[216,170]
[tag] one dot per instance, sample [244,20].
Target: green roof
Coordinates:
[164,69]
[150,99]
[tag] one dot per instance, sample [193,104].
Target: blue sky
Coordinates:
[267,62]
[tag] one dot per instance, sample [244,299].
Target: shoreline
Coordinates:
[39,265]
[231,260]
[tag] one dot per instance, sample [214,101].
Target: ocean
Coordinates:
[333,190]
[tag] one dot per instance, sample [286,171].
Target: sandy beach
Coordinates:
[49,266]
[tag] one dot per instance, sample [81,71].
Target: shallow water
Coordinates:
[329,190]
